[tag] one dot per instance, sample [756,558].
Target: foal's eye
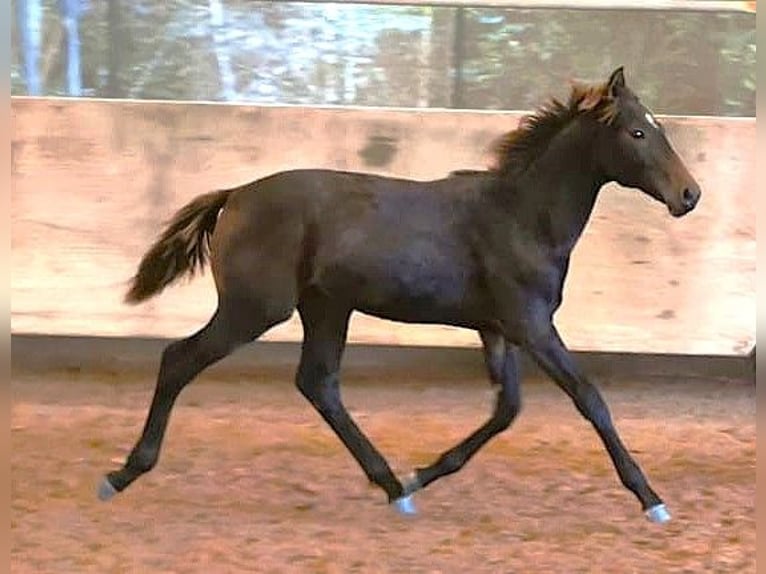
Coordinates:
[638,134]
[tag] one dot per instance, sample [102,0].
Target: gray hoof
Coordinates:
[658,514]
[106,490]
[405,506]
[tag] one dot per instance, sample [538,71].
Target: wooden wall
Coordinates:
[93,181]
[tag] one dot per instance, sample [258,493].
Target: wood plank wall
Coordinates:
[93,181]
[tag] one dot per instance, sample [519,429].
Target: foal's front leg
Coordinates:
[325,328]
[548,350]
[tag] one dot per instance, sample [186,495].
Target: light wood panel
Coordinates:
[93,181]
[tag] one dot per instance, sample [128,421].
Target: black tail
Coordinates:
[182,248]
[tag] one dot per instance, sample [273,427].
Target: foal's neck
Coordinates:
[557,193]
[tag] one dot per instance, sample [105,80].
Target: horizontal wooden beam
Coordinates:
[640,5]
[399,364]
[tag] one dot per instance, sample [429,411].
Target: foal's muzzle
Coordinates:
[689,198]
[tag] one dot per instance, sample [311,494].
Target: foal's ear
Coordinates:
[616,82]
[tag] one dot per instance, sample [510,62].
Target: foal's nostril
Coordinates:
[690,197]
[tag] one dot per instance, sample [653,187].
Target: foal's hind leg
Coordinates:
[325,329]
[181,362]
[500,359]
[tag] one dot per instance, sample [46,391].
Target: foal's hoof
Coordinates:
[106,490]
[405,505]
[658,514]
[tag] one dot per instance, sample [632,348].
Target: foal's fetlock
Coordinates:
[141,461]
[137,463]
[393,491]
[411,483]
[402,501]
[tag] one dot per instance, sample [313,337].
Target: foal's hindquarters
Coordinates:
[254,258]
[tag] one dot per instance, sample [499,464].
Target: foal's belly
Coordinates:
[427,299]
[411,286]
[423,311]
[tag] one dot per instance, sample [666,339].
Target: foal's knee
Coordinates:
[317,384]
[306,388]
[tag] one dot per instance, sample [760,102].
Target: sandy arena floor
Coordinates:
[251,480]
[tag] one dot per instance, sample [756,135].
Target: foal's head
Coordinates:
[631,147]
